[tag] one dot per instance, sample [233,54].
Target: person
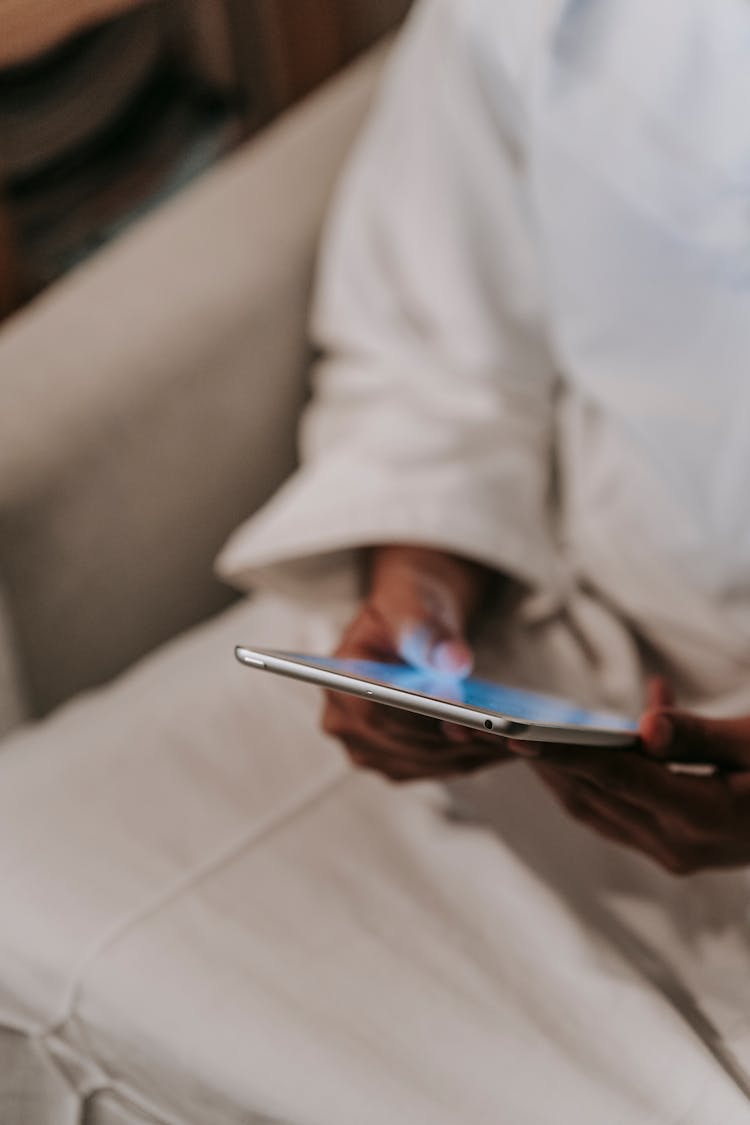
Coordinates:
[526,450]
[533,308]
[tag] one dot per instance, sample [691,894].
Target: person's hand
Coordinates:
[418,611]
[641,799]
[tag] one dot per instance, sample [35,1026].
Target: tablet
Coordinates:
[508,712]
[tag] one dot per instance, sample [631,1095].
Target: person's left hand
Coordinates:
[633,797]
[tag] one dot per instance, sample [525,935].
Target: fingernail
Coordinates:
[452,658]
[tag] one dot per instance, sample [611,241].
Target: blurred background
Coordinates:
[108,107]
[165,170]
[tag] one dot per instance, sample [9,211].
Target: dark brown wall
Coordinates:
[287,47]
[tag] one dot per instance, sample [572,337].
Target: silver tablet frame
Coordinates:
[307,671]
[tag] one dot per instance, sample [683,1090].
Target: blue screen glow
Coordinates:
[513,703]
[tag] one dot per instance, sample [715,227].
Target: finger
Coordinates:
[407,725]
[683,737]
[434,738]
[575,804]
[659,693]
[423,767]
[674,861]
[412,729]
[402,727]
[398,633]
[426,622]
[367,637]
[455,733]
[628,817]
[619,823]
[426,644]
[347,724]
[407,775]
[356,721]
[644,783]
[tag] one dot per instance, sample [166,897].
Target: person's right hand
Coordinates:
[418,611]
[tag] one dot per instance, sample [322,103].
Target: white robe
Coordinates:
[533,307]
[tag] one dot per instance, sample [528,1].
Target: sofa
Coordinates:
[148,404]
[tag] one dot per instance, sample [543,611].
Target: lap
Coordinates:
[160,771]
[206,908]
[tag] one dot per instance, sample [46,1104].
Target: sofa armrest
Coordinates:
[13,708]
[148,403]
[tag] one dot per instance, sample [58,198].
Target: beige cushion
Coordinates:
[12,708]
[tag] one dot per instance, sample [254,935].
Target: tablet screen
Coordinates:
[515,703]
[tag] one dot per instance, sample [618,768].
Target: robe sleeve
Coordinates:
[431,420]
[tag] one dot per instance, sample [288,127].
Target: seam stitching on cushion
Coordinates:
[128,1097]
[293,809]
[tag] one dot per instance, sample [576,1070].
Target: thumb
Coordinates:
[659,693]
[428,628]
[426,645]
[679,736]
